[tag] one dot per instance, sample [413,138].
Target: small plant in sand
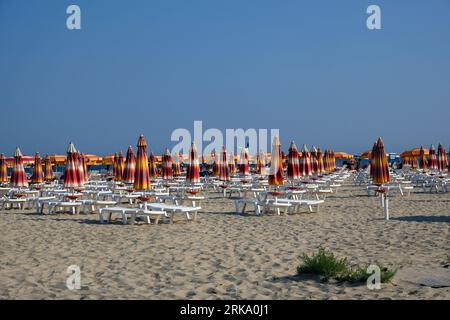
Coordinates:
[328,266]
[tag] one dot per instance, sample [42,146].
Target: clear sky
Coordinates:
[310,68]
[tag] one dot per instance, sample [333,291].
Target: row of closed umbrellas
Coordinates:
[434,160]
[138,170]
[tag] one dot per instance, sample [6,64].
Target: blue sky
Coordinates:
[310,68]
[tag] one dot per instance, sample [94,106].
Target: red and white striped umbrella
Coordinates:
[193,169]
[130,166]
[152,167]
[80,168]
[37,176]
[120,166]
[305,162]
[243,163]
[276,175]
[142,175]
[176,167]
[18,176]
[333,160]
[167,172]
[293,165]
[224,169]
[320,166]
[48,169]
[71,175]
[284,159]
[115,166]
[3,169]
[85,167]
[423,163]
[232,164]
[432,161]
[441,158]
[182,162]
[326,161]
[314,160]
[261,163]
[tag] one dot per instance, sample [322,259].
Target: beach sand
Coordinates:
[224,255]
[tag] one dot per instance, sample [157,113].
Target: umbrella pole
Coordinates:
[386,208]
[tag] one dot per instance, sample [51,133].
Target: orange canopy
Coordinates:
[342,155]
[108,160]
[27,161]
[414,153]
[366,154]
[91,159]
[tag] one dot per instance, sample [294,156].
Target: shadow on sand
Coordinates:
[312,277]
[445,219]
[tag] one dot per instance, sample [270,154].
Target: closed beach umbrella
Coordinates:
[130,166]
[224,169]
[115,166]
[284,159]
[261,163]
[333,160]
[293,165]
[152,167]
[85,168]
[141,176]
[38,175]
[48,168]
[180,158]
[176,169]
[379,165]
[214,160]
[80,168]
[441,158]
[371,159]
[243,163]
[432,161]
[326,161]
[120,166]
[18,176]
[314,161]
[71,175]
[232,164]
[305,162]
[193,168]
[276,176]
[3,169]
[320,165]
[167,171]
[422,159]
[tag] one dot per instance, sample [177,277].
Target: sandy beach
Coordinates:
[223,255]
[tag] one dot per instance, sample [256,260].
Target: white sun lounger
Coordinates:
[53,206]
[131,213]
[172,209]
[297,203]
[20,202]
